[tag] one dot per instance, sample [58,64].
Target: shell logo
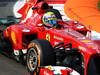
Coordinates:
[86,41]
[13,37]
[48,37]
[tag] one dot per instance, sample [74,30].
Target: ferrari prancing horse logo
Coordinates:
[48,37]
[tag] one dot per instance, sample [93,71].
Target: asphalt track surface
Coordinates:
[11,67]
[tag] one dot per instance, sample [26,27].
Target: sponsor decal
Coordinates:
[90,44]
[48,37]
[31,45]
[56,43]
[50,68]
[93,46]
[13,37]
[26,30]
[86,41]
[82,48]
[58,38]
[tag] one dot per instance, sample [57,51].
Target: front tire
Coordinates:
[40,53]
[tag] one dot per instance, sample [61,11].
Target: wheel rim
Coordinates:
[32,60]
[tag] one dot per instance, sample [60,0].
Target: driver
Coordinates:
[49,19]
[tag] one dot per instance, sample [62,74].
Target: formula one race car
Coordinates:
[44,39]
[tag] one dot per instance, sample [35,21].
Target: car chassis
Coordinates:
[64,44]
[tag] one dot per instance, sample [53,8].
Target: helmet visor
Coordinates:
[52,20]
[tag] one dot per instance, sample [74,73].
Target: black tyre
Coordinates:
[40,53]
[74,61]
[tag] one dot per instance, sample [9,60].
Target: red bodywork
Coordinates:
[47,71]
[67,33]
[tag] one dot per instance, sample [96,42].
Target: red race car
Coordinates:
[45,39]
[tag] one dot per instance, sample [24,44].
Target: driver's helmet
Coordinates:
[49,19]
